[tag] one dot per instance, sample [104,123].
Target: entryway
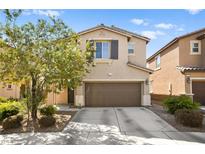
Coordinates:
[198,89]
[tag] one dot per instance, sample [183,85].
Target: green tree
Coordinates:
[45,55]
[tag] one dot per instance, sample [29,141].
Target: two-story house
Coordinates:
[179,68]
[9,90]
[119,77]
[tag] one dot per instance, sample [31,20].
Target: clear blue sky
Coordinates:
[160,25]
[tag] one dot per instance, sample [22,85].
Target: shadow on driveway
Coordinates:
[112,126]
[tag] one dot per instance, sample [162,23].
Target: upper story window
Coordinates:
[103,49]
[158,61]
[147,65]
[9,86]
[195,47]
[131,47]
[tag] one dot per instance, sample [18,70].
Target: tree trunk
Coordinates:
[33,100]
[28,116]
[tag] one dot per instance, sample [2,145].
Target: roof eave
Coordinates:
[96,28]
[173,41]
[140,68]
[163,48]
[110,29]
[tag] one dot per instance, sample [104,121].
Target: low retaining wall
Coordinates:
[158,97]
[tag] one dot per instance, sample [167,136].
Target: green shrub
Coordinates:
[9,109]
[189,117]
[3,100]
[12,122]
[11,99]
[47,121]
[174,103]
[48,110]
[7,112]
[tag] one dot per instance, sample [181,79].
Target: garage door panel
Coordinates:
[198,89]
[113,94]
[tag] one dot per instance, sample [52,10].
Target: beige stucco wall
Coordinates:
[185,58]
[14,92]
[118,68]
[140,51]
[167,74]
[57,98]
[115,70]
[102,34]
[53,98]
[177,54]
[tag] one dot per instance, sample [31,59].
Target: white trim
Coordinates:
[109,48]
[197,78]
[131,43]
[159,67]
[156,69]
[147,65]
[191,47]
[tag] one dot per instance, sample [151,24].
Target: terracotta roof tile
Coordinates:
[173,41]
[190,68]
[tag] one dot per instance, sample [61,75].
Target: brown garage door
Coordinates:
[198,89]
[112,94]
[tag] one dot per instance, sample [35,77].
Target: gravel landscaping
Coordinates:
[110,126]
[62,119]
[169,118]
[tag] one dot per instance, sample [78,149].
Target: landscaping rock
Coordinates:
[12,122]
[187,117]
[47,121]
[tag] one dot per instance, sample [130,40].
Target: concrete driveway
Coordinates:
[125,120]
[136,125]
[128,125]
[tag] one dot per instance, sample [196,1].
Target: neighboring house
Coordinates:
[119,77]
[179,68]
[9,90]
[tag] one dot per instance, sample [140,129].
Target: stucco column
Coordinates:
[79,95]
[188,86]
[146,98]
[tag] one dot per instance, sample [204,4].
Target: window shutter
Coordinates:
[114,49]
[92,48]
[91,43]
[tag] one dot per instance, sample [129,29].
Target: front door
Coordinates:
[70,97]
[198,89]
